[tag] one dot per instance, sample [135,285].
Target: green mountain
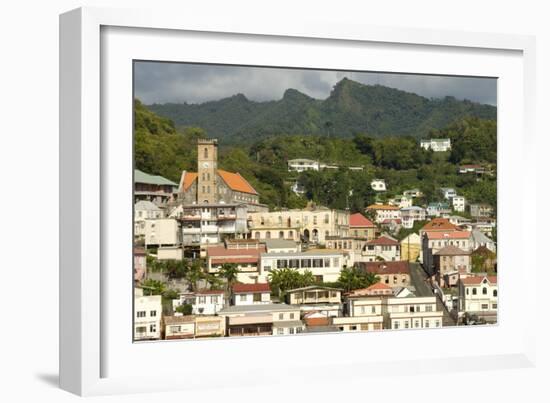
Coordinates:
[350,109]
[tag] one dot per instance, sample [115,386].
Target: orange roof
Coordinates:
[379,286]
[439,224]
[188,179]
[236,182]
[359,220]
[382,207]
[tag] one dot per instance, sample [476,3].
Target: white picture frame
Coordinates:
[91,361]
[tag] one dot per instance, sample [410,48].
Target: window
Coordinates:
[268,235]
[280,331]
[291,234]
[427,323]
[494,306]
[314,220]
[474,291]
[484,290]
[326,218]
[202,300]
[257,235]
[281,316]
[214,299]
[153,328]
[373,309]
[429,308]
[141,329]
[175,329]
[362,309]
[406,324]
[437,323]
[141,314]
[416,323]
[467,291]
[205,152]
[354,327]
[153,313]
[396,325]
[257,297]
[291,330]
[484,306]
[494,293]
[292,315]
[242,297]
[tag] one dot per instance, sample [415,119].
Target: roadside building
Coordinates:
[450,263]
[433,241]
[315,298]
[179,327]
[203,302]
[393,274]
[479,296]
[361,227]
[209,326]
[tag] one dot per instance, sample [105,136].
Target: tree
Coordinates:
[285,279]
[185,309]
[175,269]
[353,278]
[194,274]
[153,287]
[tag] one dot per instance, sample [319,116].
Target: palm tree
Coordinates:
[194,274]
[229,272]
[153,287]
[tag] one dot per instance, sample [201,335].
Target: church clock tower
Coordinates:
[207,158]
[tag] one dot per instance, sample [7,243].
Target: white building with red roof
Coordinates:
[384,211]
[384,247]
[249,294]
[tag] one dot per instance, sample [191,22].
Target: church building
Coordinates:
[210,185]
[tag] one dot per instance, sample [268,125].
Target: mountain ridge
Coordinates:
[350,108]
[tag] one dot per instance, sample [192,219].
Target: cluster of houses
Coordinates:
[215,215]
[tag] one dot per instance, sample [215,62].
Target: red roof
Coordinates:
[439,224]
[383,240]
[245,288]
[475,280]
[448,235]
[359,220]
[376,290]
[389,267]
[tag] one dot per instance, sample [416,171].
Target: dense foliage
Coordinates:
[350,109]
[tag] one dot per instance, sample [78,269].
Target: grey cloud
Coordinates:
[196,83]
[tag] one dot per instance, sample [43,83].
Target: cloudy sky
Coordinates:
[196,83]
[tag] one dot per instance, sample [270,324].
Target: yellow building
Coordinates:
[410,247]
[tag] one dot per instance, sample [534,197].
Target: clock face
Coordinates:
[205,165]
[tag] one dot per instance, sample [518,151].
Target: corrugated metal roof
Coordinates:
[142,177]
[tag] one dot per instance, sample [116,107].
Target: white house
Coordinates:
[325,264]
[411,214]
[384,247]
[384,212]
[316,298]
[401,201]
[459,203]
[411,312]
[147,316]
[437,145]
[302,164]
[249,294]
[378,185]
[413,193]
[204,302]
[448,193]
[479,296]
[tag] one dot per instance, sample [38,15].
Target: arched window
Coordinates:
[291,234]
[484,290]
[281,234]
[474,291]
[205,152]
[494,293]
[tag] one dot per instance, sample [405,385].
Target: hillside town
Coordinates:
[210,260]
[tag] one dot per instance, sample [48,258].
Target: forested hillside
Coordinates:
[163,150]
[351,108]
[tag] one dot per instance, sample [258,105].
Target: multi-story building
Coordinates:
[401,201]
[412,312]
[433,241]
[324,264]
[410,215]
[144,210]
[311,225]
[361,227]
[245,254]
[147,316]
[262,320]
[450,263]
[438,209]
[459,203]
[250,294]
[393,274]
[153,188]
[302,164]
[384,247]
[282,246]
[481,210]
[162,232]
[363,309]
[479,296]
[437,145]
[210,224]
[383,212]
[204,302]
